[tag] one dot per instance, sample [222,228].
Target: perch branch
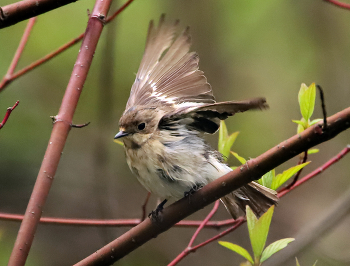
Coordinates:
[253,170]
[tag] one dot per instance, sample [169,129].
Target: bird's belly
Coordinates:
[170,173]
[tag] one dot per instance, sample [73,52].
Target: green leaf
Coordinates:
[282,178]
[118,142]
[233,167]
[307,96]
[223,135]
[300,122]
[228,144]
[297,262]
[275,247]
[266,179]
[300,129]
[258,230]
[312,151]
[315,121]
[238,249]
[239,158]
[314,263]
[225,141]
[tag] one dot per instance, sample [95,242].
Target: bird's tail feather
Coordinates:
[256,196]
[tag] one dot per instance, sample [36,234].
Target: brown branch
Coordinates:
[53,54]
[253,170]
[59,135]
[16,12]
[7,115]
[338,4]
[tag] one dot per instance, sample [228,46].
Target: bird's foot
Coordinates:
[155,215]
[189,193]
[192,190]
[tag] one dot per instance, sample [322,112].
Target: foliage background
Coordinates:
[247,49]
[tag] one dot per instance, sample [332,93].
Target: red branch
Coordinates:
[9,75]
[189,249]
[7,115]
[317,171]
[110,223]
[338,4]
[9,78]
[16,12]
[59,135]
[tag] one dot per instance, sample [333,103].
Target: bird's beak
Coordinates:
[121,134]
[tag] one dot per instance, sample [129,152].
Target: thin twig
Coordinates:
[111,222]
[189,249]
[53,54]
[7,79]
[80,125]
[323,108]
[338,4]
[7,115]
[205,221]
[299,172]
[317,171]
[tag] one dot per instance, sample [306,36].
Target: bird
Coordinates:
[170,109]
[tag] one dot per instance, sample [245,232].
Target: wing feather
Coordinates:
[168,72]
[206,117]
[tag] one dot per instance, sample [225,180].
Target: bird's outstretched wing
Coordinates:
[168,72]
[206,118]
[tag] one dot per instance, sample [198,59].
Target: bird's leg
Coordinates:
[154,215]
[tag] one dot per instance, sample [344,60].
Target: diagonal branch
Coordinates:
[7,115]
[253,170]
[8,77]
[59,135]
[16,12]
[338,4]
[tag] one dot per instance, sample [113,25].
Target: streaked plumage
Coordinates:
[171,105]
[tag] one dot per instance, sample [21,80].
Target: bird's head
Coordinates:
[138,124]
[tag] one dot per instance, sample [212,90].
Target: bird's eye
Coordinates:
[141,126]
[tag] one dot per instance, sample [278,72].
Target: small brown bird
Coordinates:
[171,105]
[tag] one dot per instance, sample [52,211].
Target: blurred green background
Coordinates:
[247,49]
